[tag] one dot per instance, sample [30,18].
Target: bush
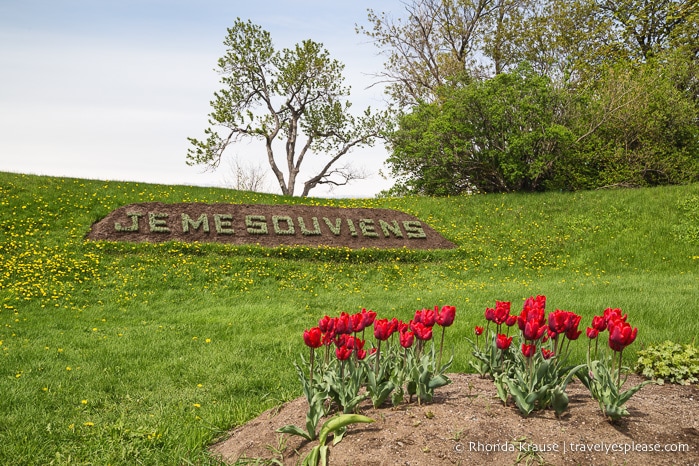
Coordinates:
[669,362]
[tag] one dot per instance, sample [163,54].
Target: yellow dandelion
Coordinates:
[208,340]
[197,405]
[89,424]
[84,402]
[68,368]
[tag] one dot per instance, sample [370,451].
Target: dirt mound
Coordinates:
[468,424]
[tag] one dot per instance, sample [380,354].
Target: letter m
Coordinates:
[202,222]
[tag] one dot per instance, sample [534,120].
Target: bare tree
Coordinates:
[439,40]
[245,176]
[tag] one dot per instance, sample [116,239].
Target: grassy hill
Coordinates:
[118,353]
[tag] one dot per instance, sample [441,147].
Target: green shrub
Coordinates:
[669,362]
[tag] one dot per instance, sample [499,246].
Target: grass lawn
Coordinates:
[119,353]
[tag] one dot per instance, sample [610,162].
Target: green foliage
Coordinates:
[669,362]
[503,134]
[423,376]
[297,94]
[336,426]
[520,132]
[150,331]
[636,128]
[609,99]
[605,388]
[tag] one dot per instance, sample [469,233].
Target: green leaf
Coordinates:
[438,381]
[559,400]
[338,422]
[294,430]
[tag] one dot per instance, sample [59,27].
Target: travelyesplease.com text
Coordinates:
[572,447]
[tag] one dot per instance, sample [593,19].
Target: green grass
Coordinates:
[116,353]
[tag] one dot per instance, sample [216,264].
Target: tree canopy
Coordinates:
[510,95]
[294,95]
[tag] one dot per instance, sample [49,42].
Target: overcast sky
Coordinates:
[111,89]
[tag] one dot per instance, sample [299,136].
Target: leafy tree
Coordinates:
[647,27]
[502,134]
[636,129]
[295,95]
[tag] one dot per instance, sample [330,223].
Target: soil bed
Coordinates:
[468,424]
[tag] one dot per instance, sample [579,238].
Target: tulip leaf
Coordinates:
[338,422]
[439,381]
[559,400]
[294,430]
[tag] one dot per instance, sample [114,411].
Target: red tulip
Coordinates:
[343,353]
[369,317]
[421,331]
[511,320]
[490,314]
[478,331]
[502,312]
[502,341]
[546,353]
[394,325]
[343,324]
[327,324]
[313,337]
[426,317]
[534,309]
[361,354]
[621,335]
[528,350]
[446,316]
[382,329]
[344,340]
[406,339]
[613,315]
[357,322]
[558,321]
[573,333]
[533,330]
[592,333]
[599,324]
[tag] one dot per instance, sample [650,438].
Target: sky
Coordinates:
[111,89]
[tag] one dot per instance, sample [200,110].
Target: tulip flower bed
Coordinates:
[535,373]
[402,361]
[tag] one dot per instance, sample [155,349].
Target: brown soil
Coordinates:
[467,422]
[255,224]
